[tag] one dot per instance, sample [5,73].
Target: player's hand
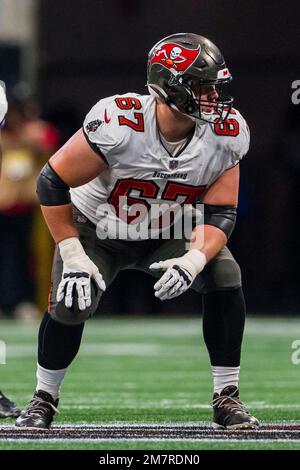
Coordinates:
[3,102]
[180,274]
[78,270]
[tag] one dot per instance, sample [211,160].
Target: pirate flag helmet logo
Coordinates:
[174,57]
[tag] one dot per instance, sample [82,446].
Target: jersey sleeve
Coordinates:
[100,129]
[238,146]
[230,140]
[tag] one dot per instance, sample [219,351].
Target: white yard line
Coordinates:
[146,327]
[116,349]
[170,404]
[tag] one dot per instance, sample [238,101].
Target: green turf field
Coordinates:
[156,370]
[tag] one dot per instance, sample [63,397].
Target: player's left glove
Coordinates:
[3,102]
[78,271]
[180,274]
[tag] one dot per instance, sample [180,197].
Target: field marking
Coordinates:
[120,327]
[173,432]
[95,349]
[199,425]
[128,424]
[176,440]
[170,404]
[117,349]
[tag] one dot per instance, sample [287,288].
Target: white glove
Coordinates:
[180,274]
[78,269]
[3,102]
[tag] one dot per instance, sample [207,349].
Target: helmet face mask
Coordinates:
[181,67]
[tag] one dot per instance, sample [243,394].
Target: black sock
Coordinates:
[223,326]
[58,344]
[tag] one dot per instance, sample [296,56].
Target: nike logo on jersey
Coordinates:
[106,118]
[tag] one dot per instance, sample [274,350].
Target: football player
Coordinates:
[8,409]
[181,143]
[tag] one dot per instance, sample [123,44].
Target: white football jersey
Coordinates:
[123,130]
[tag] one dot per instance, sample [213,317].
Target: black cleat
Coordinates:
[39,412]
[8,409]
[230,412]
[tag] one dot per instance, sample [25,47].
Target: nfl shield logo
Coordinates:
[173,164]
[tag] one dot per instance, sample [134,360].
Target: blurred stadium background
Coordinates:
[66,55]
[59,58]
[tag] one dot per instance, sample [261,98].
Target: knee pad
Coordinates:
[73,316]
[222,274]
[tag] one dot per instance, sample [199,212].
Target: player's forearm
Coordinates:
[208,239]
[60,222]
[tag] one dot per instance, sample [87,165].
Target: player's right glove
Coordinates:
[78,270]
[3,102]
